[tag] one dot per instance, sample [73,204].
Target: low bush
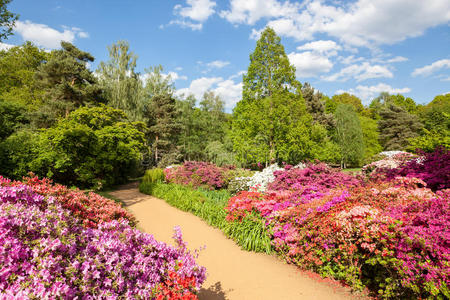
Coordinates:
[47,252]
[91,208]
[433,168]
[250,233]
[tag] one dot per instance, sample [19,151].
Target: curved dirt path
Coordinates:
[232,273]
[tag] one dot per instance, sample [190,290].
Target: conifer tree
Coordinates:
[66,80]
[396,127]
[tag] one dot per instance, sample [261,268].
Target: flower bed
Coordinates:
[91,208]
[389,236]
[46,251]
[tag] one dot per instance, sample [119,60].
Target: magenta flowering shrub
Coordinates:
[392,236]
[198,174]
[311,182]
[433,168]
[46,252]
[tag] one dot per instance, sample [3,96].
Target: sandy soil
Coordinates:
[232,273]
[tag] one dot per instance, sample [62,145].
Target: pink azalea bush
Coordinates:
[391,236]
[433,168]
[48,252]
[91,208]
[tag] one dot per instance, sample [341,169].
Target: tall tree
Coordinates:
[67,81]
[349,135]
[161,115]
[396,127]
[122,85]
[271,105]
[269,71]
[18,66]
[7,20]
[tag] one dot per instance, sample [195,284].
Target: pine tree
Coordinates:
[396,127]
[161,115]
[315,107]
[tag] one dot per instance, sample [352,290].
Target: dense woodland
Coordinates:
[61,120]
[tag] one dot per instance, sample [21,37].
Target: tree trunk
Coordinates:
[156,149]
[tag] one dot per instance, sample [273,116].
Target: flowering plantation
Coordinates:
[49,251]
[91,208]
[389,236]
[433,168]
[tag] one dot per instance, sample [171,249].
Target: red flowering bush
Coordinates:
[91,208]
[176,287]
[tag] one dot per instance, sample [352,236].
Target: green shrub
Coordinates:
[151,177]
[251,233]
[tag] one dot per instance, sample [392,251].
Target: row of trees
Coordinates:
[61,120]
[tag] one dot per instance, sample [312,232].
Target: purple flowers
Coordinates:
[46,252]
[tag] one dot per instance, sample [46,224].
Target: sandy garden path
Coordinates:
[232,273]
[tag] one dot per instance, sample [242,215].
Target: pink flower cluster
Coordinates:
[433,168]
[198,174]
[91,208]
[48,252]
[391,236]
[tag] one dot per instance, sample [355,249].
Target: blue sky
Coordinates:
[363,47]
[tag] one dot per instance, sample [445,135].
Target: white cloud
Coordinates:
[434,67]
[218,64]
[197,10]
[199,86]
[45,36]
[360,72]
[229,90]
[185,24]
[309,64]
[366,93]
[175,76]
[365,23]
[397,59]
[321,46]
[4,46]
[83,34]
[250,11]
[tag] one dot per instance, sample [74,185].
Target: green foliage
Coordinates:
[429,140]
[263,130]
[346,98]
[17,152]
[349,135]
[436,114]
[95,146]
[67,82]
[120,83]
[18,66]
[370,133]
[396,127]
[11,118]
[269,71]
[251,234]
[315,107]
[151,177]
[7,20]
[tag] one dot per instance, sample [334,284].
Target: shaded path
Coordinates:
[232,273]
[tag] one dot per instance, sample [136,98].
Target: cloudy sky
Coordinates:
[363,47]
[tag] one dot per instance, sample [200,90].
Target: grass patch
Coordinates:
[251,234]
